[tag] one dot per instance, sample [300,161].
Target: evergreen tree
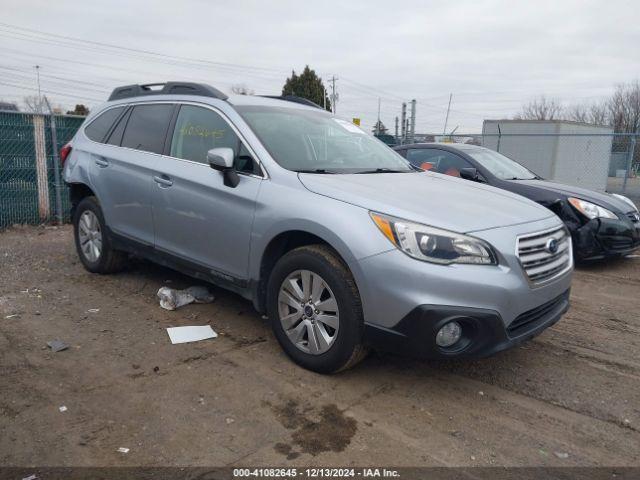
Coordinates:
[306,85]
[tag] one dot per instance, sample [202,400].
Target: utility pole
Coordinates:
[396,129]
[403,129]
[413,119]
[334,94]
[39,93]
[378,123]
[446,120]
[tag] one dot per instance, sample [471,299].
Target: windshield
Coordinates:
[502,167]
[315,141]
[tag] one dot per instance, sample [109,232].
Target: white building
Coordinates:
[566,152]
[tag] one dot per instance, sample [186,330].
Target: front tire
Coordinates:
[92,240]
[315,310]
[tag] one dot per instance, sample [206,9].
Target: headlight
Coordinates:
[433,244]
[626,200]
[591,210]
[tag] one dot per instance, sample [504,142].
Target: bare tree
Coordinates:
[598,114]
[624,108]
[578,113]
[241,89]
[594,113]
[541,108]
[33,104]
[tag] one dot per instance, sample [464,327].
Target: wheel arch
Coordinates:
[282,243]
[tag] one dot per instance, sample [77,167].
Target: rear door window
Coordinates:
[101,125]
[147,127]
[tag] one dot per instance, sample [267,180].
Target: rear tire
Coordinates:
[93,243]
[320,328]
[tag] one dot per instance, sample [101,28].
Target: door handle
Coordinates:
[163,181]
[102,162]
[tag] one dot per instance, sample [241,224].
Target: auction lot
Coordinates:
[569,397]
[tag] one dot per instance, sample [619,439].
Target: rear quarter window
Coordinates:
[99,127]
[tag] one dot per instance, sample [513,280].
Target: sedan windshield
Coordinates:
[314,141]
[502,167]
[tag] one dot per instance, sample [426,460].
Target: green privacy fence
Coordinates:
[27,180]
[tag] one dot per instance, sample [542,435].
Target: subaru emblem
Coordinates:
[552,245]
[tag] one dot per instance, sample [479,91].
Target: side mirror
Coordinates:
[469,173]
[221,159]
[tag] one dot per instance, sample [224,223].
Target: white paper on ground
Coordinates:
[190,334]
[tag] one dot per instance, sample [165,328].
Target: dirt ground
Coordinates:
[569,397]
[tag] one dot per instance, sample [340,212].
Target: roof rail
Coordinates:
[294,99]
[168,88]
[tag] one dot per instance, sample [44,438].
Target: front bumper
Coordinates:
[483,331]
[405,300]
[605,237]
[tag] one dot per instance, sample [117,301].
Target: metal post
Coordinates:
[446,119]
[378,124]
[396,129]
[56,171]
[39,93]
[632,147]
[413,120]
[499,136]
[334,95]
[403,130]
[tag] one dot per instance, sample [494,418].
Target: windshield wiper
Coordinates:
[315,170]
[384,170]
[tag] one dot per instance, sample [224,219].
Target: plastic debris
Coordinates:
[170,298]
[93,310]
[190,334]
[62,408]
[561,454]
[123,450]
[11,316]
[30,477]
[57,345]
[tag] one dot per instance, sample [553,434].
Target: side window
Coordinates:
[439,161]
[99,127]
[198,130]
[147,127]
[424,158]
[451,164]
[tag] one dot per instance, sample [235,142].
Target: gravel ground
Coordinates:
[569,397]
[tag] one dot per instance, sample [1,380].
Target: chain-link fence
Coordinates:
[601,161]
[27,177]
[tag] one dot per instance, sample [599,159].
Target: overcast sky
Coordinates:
[492,55]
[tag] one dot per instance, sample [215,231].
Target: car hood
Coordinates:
[429,198]
[603,199]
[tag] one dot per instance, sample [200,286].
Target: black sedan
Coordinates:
[601,224]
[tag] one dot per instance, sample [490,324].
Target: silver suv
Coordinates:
[335,236]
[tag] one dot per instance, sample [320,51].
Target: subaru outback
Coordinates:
[337,238]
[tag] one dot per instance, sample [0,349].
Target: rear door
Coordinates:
[197,217]
[123,170]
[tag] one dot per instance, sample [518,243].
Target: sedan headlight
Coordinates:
[626,200]
[433,244]
[591,210]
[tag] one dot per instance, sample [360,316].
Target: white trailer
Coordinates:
[566,152]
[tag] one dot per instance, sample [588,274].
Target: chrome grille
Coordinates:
[540,261]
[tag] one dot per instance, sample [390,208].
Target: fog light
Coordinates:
[449,334]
